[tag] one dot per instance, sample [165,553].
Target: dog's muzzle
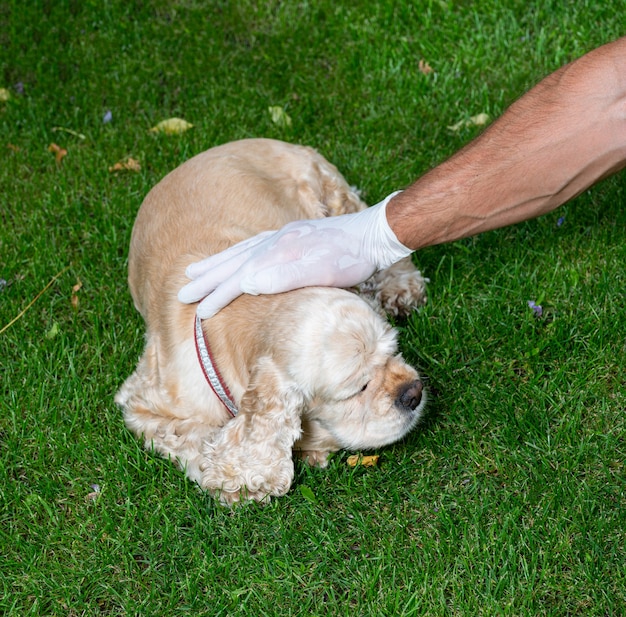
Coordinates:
[410,395]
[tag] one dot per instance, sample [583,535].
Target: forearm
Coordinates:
[558,139]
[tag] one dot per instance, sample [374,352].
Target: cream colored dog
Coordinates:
[313,370]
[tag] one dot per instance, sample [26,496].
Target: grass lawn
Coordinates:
[510,499]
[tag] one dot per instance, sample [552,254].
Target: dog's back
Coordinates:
[225,195]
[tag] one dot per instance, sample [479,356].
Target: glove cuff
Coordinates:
[385,245]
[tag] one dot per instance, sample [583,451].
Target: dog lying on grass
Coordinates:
[310,371]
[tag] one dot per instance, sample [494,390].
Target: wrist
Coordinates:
[395,212]
[384,244]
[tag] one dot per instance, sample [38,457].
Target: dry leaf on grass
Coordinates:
[477,120]
[75,289]
[171,126]
[424,67]
[480,119]
[279,116]
[365,461]
[59,153]
[130,164]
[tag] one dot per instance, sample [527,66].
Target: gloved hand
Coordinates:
[337,251]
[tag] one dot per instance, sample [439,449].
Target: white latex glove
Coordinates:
[337,251]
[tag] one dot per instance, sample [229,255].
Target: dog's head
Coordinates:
[359,391]
[326,376]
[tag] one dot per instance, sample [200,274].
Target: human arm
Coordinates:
[561,137]
[565,134]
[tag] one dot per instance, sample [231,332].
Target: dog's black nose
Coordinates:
[410,395]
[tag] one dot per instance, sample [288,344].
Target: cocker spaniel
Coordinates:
[311,371]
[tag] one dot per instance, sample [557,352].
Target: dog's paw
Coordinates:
[397,290]
[405,293]
[238,481]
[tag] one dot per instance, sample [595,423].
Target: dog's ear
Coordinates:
[251,456]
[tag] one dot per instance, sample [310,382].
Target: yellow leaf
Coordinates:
[279,116]
[480,119]
[5,95]
[58,152]
[365,461]
[172,126]
[477,120]
[130,164]
[457,127]
[424,67]
[75,289]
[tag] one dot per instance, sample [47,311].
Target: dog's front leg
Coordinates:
[251,456]
[398,289]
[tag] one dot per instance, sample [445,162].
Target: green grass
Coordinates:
[511,497]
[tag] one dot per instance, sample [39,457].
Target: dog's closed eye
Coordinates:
[361,390]
[358,392]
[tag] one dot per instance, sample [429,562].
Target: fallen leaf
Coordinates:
[75,289]
[477,120]
[480,119]
[58,152]
[458,126]
[424,67]
[365,461]
[279,116]
[130,164]
[13,147]
[171,126]
[5,95]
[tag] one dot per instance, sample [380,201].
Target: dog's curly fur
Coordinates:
[313,370]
